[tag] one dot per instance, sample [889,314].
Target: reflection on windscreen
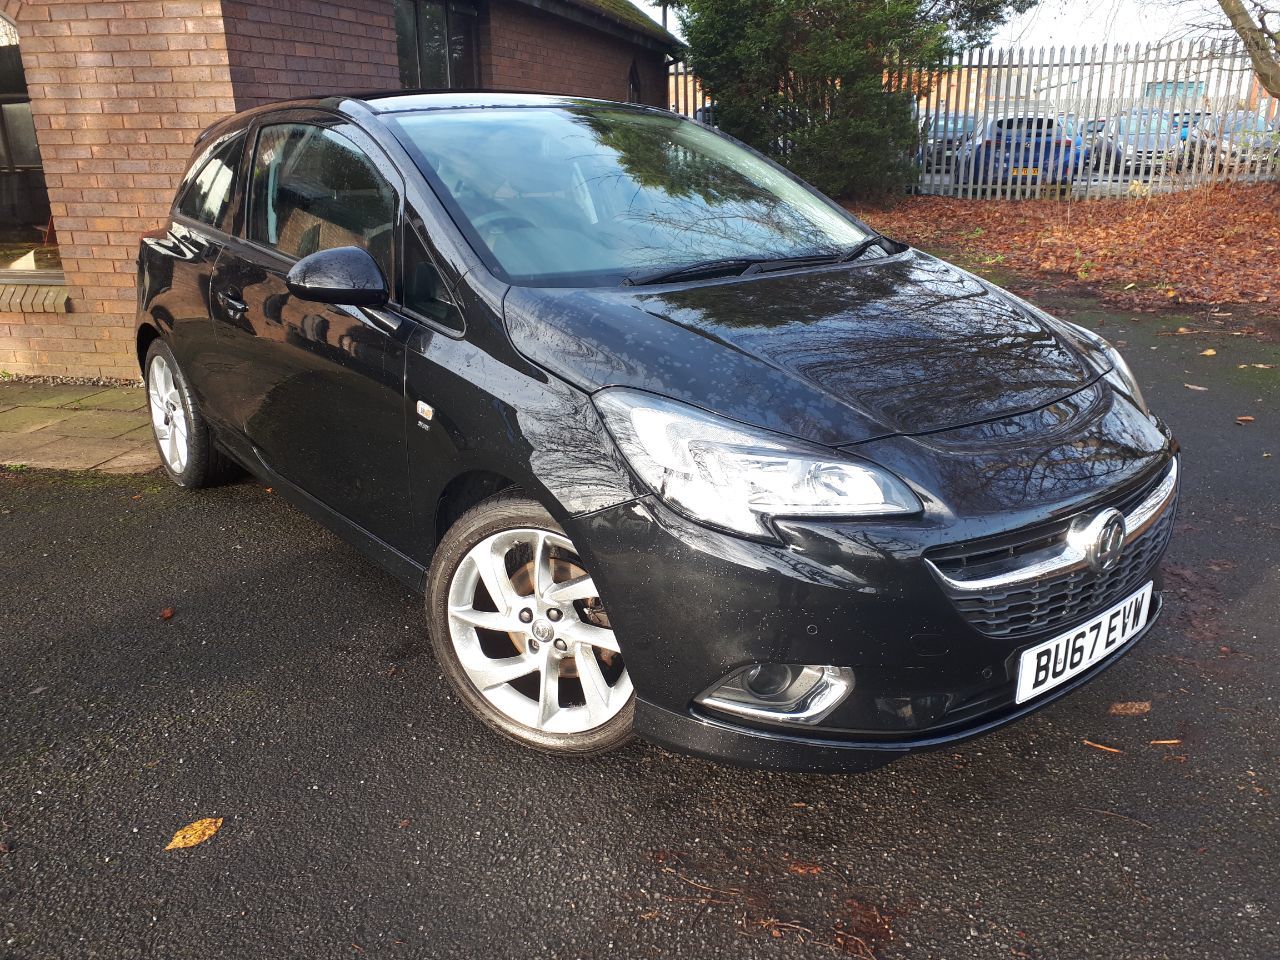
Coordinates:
[1143,124]
[589,196]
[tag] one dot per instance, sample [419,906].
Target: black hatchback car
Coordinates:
[672,444]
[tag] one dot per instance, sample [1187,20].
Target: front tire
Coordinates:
[517,625]
[182,437]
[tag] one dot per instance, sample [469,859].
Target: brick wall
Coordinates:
[526,49]
[118,93]
[297,48]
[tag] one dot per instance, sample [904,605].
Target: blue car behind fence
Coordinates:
[1018,151]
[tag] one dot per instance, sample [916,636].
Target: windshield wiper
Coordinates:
[789,263]
[860,250]
[743,266]
[708,269]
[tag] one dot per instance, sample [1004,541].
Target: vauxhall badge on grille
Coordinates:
[1100,539]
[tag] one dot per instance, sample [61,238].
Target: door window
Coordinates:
[208,194]
[313,189]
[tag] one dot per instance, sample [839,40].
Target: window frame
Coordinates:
[11,276]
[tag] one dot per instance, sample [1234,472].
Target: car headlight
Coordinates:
[1116,371]
[733,476]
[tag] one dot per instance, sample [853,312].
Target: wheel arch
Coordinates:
[147,334]
[465,491]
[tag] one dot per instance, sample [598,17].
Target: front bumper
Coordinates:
[690,605]
[715,738]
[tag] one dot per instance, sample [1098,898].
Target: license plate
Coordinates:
[1024,171]
[1056,661]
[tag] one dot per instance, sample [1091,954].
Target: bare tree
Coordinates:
[1258,24]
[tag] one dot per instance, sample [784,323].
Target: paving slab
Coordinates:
[100,424]
[113,398]
[45,394]
[141,459]
[77,453]
[30,419]
[17,447]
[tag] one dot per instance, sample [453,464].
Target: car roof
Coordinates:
[400,100]
[379,102]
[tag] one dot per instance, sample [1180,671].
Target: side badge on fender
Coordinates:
[426,412]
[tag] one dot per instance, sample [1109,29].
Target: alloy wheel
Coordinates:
[168,414]
[532,636]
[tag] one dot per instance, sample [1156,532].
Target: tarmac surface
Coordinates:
[364,813]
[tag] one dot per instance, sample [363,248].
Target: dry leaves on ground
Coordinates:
[195,833]
[1130,708]
[1101,746]
[1216,244]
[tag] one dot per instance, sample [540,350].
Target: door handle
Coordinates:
[235,307]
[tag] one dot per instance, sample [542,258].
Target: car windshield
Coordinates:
[1144,123]
[584,196]
[1252,124]
[953,124]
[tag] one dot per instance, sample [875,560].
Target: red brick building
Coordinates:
[100,102]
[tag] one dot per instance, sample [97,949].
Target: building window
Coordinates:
[437,44]
[27,242]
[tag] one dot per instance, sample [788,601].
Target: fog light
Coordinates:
[769,679]
[780,692]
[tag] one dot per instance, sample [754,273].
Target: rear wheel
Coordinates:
[517,624]
[186,449]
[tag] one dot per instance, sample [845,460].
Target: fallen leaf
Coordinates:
[1098,746]
[1165,743]
[1192,386]
[804,869]
[1244,419]
[271,489]
[1130,708]
[404,824]
[1209,353]
[194,833]
[167,613]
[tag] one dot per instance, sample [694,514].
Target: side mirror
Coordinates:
[343,275]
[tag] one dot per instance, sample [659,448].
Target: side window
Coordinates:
[425,292]
[208,193]
[313,189]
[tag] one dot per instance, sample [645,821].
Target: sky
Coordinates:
[1078,22]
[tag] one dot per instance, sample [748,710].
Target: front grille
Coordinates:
[1060,597]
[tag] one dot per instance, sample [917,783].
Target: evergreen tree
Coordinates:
[804,80]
